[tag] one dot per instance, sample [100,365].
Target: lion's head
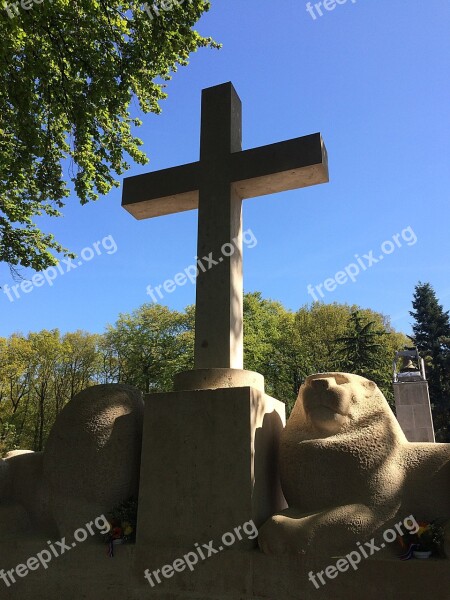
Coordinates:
[331,403]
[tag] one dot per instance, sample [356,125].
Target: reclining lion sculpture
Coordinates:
[90,464]
[347,470]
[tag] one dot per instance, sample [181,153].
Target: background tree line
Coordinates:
[41,372]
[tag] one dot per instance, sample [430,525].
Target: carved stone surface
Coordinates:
[90,464]
[347,470]
[92,457]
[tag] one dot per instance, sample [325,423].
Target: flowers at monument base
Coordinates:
[122,520]
[117,533]
[426,542]
[127,529]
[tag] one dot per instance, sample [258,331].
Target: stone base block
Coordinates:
[210,379]
[87,573]
[209,464]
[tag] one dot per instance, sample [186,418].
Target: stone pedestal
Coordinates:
[87,572]
[209,464]
[412,403]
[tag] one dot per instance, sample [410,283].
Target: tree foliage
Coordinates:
[368,348]
[41,372]
[149,346]
[287,347]
[68,72]
[431,335]
[264,330]
[8,438]
[359,349]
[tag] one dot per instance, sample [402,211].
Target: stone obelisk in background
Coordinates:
[412,399]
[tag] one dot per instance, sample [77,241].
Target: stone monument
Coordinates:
[90,464]
[347,470]
[216,185]
[218,430]
[412,398]
[211,464]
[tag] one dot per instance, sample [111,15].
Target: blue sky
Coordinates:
[372,77]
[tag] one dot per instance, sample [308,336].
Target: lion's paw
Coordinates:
[282,535]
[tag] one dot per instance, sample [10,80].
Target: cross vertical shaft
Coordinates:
[216,185]
[219,294]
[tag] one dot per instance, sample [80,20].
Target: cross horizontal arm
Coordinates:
[279,167]
[162,192]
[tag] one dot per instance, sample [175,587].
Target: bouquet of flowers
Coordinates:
[428,540]
[122,520]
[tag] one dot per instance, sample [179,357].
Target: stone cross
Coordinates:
[216,185]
